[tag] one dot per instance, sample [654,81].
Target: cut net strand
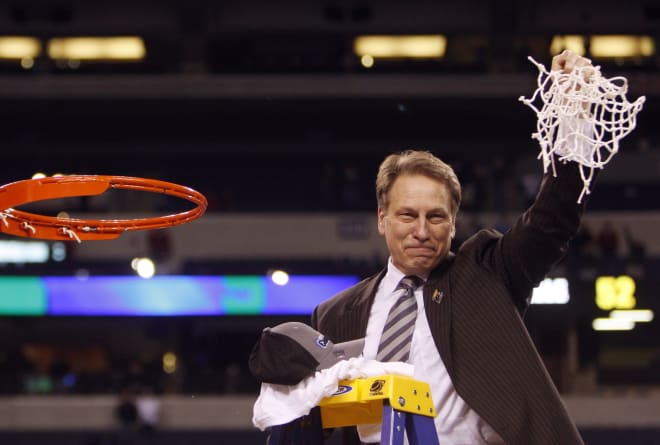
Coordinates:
[581,117]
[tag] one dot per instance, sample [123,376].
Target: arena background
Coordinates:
[266,109]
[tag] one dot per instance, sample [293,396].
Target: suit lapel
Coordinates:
[437,305]
[357,313]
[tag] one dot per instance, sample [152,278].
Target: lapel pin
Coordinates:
[437,296]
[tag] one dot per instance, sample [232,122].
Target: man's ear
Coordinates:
[381,221]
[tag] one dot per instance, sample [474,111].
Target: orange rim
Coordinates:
[31,225]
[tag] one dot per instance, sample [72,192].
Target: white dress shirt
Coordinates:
[456,423]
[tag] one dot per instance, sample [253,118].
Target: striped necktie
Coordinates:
[398,331]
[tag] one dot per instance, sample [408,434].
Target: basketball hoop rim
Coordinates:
[32,225]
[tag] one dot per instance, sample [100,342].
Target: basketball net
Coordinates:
[581,117]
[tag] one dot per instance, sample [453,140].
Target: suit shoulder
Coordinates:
[479,242]
[346,296]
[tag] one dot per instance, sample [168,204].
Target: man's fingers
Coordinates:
[561,60]
[568,60]
[588,72]
[558,61]
[572,60]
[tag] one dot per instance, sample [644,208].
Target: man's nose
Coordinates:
[421,228]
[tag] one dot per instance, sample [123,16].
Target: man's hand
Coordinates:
[568,60]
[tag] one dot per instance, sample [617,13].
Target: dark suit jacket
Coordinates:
[475,317]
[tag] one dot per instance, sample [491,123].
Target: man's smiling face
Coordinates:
[418,224]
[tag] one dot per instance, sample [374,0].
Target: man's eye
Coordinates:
[436,219]
[406,217]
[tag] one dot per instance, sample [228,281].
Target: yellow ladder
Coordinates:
[402,405]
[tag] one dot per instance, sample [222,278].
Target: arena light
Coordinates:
[367,61]
[127,48]
[279,277]
[612,324]
[635,315]
[621,46]
[169,362]
[404,46]
[551,291]
[58,251]
[21,252]
[144,267]
[19,48]
[605,46]
[575,43]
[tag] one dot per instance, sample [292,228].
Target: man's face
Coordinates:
[417,224]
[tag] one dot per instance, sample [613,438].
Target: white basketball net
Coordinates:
[593,112]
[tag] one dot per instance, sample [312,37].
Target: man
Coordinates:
[469,342]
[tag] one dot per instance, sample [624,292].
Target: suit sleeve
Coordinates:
[540,237]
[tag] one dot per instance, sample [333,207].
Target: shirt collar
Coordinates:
[392,277]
